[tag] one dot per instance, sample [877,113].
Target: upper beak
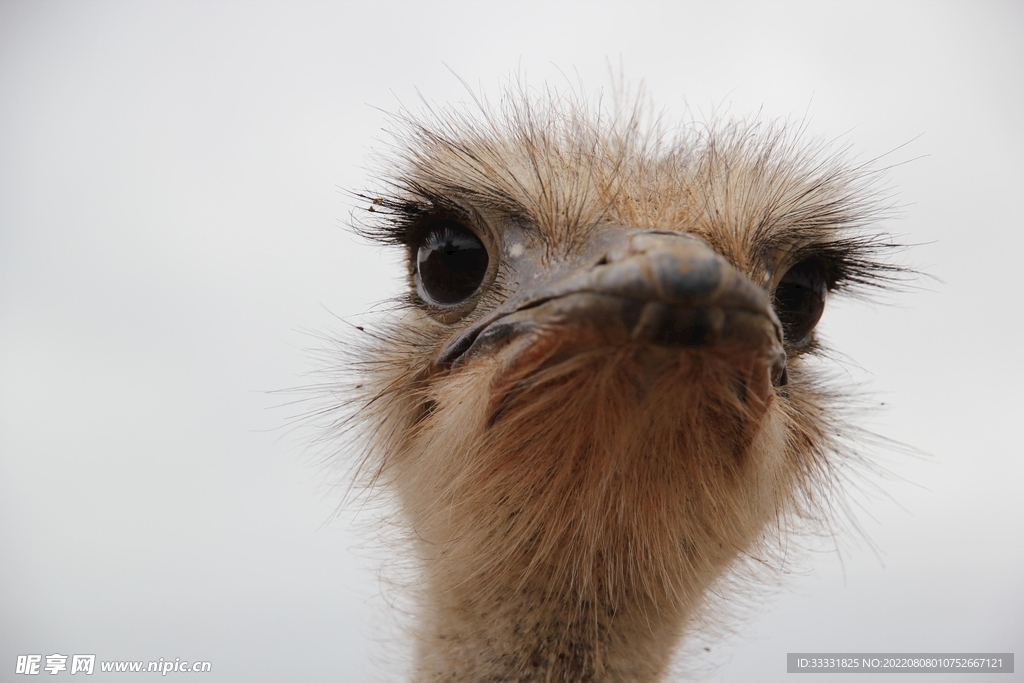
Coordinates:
[643,287]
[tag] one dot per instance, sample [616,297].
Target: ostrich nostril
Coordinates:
[680,327]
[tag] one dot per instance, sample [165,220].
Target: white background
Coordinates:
[171,229]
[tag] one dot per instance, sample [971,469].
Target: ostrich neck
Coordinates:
[560,546]
[532,633]
[575,600]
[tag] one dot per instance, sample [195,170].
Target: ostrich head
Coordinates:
[594,398]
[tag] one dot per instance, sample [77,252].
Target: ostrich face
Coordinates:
[595,396]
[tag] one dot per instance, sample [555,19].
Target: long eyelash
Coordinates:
[401,220]
[854,263]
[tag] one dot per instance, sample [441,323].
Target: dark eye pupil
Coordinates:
[451,263]
[800,299]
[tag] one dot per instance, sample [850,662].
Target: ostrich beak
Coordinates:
[660,290]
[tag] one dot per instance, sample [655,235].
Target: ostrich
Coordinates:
[596,398]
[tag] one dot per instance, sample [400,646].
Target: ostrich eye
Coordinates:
[800,299]
[451,263]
